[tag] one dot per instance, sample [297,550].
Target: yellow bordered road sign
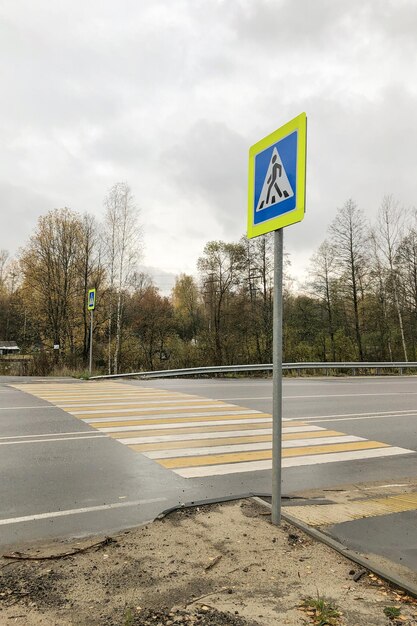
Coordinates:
[91,303]
[277,178]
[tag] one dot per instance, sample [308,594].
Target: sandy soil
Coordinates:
[219,565]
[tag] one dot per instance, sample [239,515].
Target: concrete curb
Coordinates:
[364,562]
[208,501]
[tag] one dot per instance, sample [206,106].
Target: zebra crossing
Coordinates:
[197,437]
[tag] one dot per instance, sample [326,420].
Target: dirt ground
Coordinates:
[218,565]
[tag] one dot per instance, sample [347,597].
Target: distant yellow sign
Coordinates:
[91,302]
[277,178]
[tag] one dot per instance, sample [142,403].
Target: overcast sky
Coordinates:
[168,95]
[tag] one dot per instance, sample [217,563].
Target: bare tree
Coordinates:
[4,257]
[122,243]
[90,271]
[406,265]
[50,266]
[221,270]
[349,238]
[379,279]
[259,267]
[187,305]
[388,234]
[322,276]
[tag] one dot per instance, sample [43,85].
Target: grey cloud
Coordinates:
[276,25]
[20,208]
[165,281]
[323,23]
[169,96]
[209,164]
[367,151]
[88,65]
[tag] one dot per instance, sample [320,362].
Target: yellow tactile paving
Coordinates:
[325,515]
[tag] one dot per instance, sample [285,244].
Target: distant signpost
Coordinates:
[91,305]
[91,299]
[276,198]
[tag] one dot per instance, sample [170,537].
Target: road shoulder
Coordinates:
[221,564]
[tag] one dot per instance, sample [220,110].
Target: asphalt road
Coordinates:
[65,473]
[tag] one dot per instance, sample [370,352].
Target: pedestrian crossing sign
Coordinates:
[277,173]
[91,299]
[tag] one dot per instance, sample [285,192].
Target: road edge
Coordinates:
[365,562]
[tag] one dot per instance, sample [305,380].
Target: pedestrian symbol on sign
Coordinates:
[276,187]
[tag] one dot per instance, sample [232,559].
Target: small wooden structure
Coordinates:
[9,347]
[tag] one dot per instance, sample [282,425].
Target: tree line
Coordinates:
[359,302]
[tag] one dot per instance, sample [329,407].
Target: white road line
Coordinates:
[91,509]
[369,417]
[368,414]
[19,408]
[215,435]
[34,435]
[269,397]
[229,384]
[120,393]
[98,390]
[251,466]
[130,418]
[138,401]
[14,443]
[115,429]
[318,382]
[353,395]
[112,392]
[353,419]
[245,398]
[214,450]
[205,406]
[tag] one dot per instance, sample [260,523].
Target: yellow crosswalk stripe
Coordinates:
[196,443]
[132,407]
[191,429]
[184,420]
[121,401]
[103,398]
[209,435]
[238,457]
[164,409]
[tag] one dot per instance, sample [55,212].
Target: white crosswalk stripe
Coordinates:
[197,437]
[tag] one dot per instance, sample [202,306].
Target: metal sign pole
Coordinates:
[277,376]
[276,199]
[91,340]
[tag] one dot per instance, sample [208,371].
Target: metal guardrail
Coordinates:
[230,369]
